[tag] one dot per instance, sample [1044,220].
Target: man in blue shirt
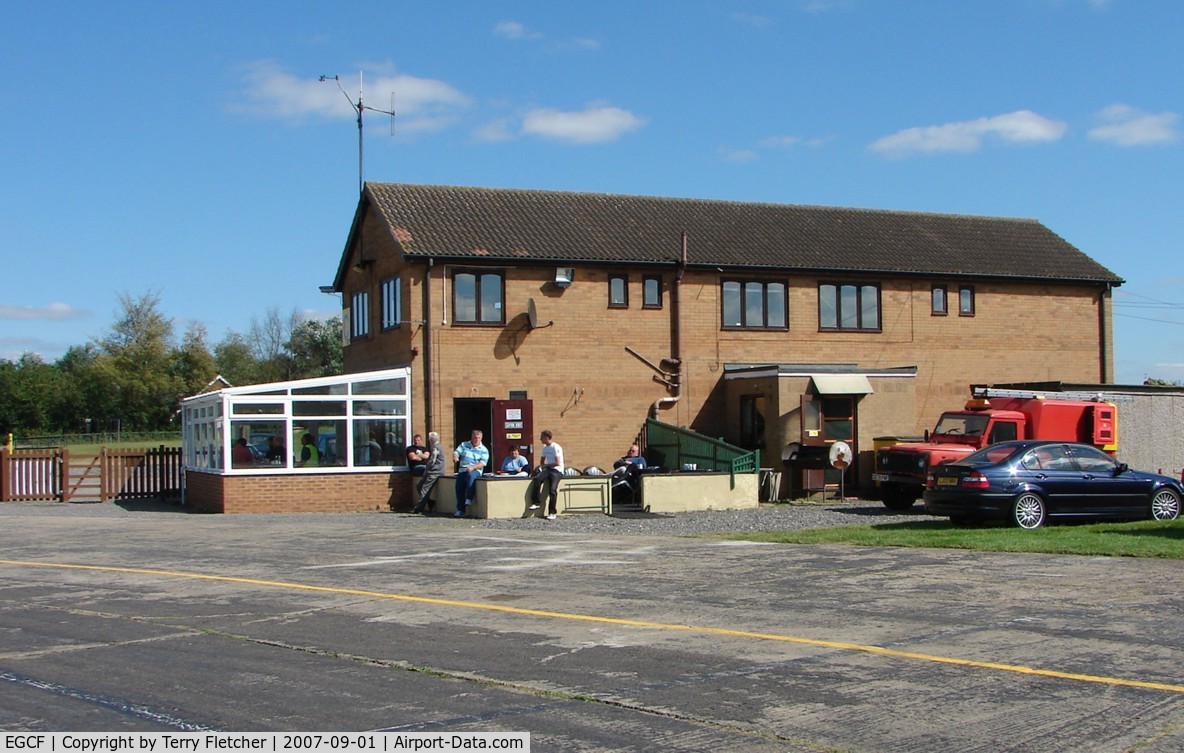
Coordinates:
[515,464]
[471,458]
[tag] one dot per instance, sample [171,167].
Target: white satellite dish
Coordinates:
[840,455]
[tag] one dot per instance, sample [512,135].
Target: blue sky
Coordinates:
[190,150]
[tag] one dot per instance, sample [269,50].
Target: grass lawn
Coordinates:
[1145,538]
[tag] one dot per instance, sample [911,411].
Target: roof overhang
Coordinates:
[842,384]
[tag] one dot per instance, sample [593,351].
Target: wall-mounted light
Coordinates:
[564,276]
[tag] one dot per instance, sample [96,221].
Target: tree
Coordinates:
[24,386]
[136,359]
[315,349]
[193,365]
[236,360]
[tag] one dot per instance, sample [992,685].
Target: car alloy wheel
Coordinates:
[1165,505]
[1028,511]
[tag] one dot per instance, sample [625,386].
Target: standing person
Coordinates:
[433,467]
[550,471]
[417,455]
[471,458]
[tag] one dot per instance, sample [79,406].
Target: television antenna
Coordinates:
[359,107]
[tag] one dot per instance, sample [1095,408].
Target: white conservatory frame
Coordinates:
[360,423]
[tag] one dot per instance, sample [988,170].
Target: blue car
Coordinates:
[1029,482]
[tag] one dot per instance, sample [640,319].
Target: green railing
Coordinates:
[673,447]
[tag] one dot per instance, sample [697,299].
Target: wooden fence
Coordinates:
[59,475]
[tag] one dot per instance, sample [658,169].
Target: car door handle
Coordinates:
[1041,476]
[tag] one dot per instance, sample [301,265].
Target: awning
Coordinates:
[842,384]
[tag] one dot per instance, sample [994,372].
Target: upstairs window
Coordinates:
[940,304]
[651,292]
[966,300]
[477,297]
[392,303]
[754,304]
[618,292]
[359,315]
[849,306]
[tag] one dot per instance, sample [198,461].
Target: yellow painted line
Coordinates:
[1016,668]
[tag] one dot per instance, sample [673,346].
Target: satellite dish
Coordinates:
[840,455]
[532,315]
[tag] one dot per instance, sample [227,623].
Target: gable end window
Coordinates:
[651,292]
[477,297]
[849,306]
[392,303]
[940,305]
[753,304]
[618,291]
[359,315]
[966,300]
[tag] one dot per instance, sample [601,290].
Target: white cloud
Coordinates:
[751,19]
[420,103]
[595,124]
[501,129]
[514,30]
[739,156]
[780,142]
[1020,127]
[1123,125]
[53,312]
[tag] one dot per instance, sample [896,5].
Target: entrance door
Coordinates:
[469,413]
[513,426]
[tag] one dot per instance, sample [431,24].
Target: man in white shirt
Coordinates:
[550,471]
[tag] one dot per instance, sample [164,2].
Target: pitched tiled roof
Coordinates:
[554,226]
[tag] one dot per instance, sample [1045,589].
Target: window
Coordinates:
[477,298]
[966,301]
[651,292]
[392,303]
[1004,431]
[849,306]
[940,306]
[359,315]
[618,292]
[753,304]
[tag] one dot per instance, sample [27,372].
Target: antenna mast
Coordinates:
[359,107]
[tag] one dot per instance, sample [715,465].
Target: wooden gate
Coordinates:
[59,475]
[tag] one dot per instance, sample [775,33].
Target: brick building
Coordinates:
[762,324]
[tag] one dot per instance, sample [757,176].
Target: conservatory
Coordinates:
[330,443]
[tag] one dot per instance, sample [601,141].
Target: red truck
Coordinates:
[991,416]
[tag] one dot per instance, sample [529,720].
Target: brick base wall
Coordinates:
[304,492]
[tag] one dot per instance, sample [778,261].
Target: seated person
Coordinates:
[417,455]
[275,449]
[632,460]
[514,464]
[240,454]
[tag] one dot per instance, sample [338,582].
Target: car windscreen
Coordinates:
[990,455]
[966,424]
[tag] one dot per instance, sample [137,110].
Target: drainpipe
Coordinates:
[429,415]
[675,336]
[1103,333]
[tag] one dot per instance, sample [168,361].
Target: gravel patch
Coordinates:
[766,517]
